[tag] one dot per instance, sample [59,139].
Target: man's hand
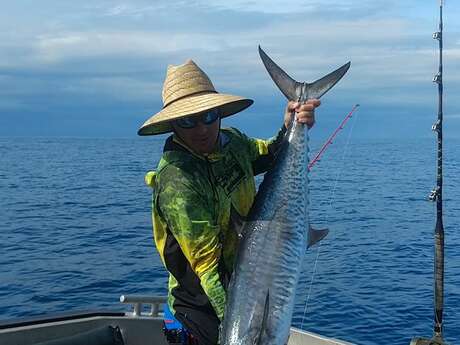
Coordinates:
[304,113]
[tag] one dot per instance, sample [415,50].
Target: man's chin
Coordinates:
[205,149]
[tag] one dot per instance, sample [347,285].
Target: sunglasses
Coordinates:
[192,121]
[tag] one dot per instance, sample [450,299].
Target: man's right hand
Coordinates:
[304,113]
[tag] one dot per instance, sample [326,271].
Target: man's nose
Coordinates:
[201,128]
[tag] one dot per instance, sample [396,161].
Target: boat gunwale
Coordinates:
[59,317]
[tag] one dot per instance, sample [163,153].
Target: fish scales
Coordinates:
[277,223]
[270,254]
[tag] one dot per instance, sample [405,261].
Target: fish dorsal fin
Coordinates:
[314,236]
[263,326]
[267,307]
[257,332]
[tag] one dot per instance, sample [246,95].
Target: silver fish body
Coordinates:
[261,293]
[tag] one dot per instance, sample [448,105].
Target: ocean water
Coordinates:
[76,233]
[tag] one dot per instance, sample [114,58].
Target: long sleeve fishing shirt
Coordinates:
[196,201]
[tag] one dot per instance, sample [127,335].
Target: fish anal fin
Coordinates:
[314,236]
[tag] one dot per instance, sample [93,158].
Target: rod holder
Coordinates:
[139,301]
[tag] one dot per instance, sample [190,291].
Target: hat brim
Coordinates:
[160,122]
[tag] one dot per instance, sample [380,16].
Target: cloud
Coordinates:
[123,89]
[379,57]
[113,52]
[135,11]
[294,6]
[339,37]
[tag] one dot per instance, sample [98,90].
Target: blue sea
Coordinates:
[76,233]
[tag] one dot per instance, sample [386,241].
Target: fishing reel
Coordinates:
[434,194]
[436,126]
[437,78]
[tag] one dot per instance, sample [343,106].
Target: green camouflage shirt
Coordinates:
[196,201]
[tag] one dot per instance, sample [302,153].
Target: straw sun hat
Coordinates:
[187,91]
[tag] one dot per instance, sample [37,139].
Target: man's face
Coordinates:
[202,137]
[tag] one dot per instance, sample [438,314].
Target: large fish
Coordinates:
[276,232]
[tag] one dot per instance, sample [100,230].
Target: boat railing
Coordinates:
[139,302]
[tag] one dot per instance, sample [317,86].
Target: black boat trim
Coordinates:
[7,324]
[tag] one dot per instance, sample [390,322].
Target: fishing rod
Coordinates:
[329,141]
[436,196]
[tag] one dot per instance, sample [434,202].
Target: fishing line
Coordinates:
[331,200]
[341,166]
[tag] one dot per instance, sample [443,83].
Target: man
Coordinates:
[203,185]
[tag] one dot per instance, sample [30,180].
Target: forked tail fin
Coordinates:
[297,91]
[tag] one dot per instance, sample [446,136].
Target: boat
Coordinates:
[142,325]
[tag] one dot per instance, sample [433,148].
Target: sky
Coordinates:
[96,68]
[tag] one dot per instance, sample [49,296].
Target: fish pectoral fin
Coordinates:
[236,221]
[314,236]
